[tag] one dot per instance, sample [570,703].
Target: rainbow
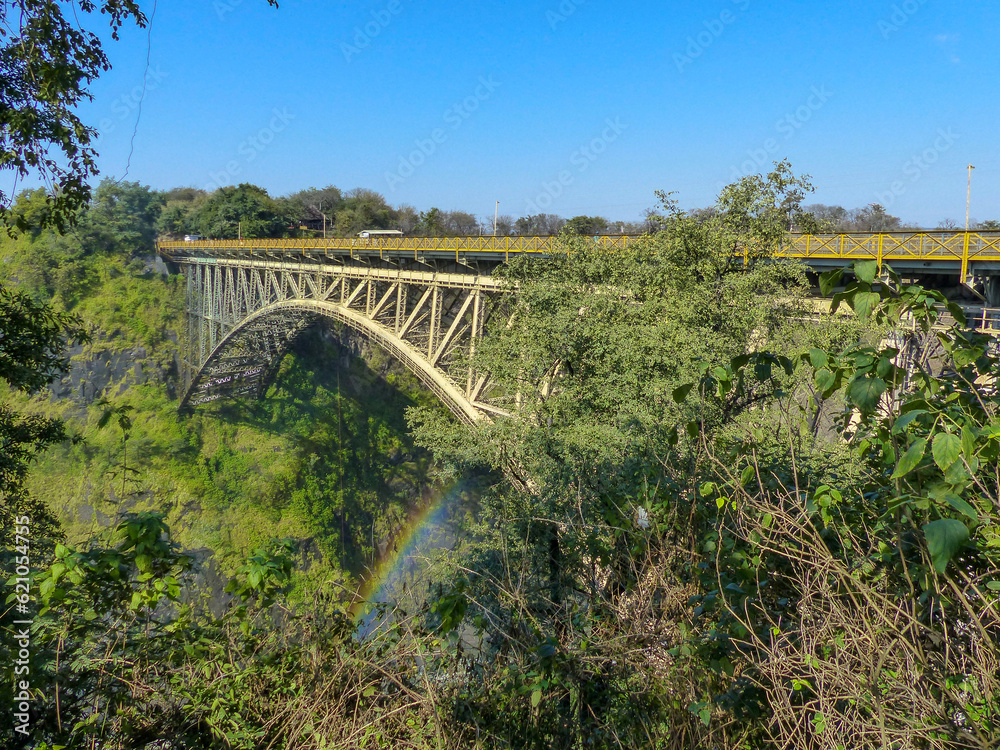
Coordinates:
[414,539]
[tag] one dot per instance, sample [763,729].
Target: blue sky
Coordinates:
[565,107]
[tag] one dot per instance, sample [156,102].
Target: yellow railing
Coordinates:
[964,247]
[487,244]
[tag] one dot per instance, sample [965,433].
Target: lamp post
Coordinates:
[968,198]
[496,212]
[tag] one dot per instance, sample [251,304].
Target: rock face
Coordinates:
[99,370]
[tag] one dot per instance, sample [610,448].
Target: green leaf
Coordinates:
[961,506]
[818,358]
[706,716]
[749,473]
[46,589]
[904,421]
[957,313]
[829,280]
[967,355]
[865,270]
[825,379]
[536,698]
[910,459]
[864,302]
[682,393]
[837,299]
[968,443]
[866,392]
[947,448]
[944,539]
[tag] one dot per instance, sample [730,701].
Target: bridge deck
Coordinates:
[945,251]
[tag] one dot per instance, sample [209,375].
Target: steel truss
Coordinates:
[243,313]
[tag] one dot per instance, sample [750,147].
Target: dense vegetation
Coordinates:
[326,456]
[717,518]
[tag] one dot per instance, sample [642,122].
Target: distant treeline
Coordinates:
[248,211]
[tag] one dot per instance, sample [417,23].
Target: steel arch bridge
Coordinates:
[427,300]
[244,312]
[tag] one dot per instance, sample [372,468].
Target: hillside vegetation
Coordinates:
[325,456]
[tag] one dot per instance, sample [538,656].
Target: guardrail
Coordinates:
[962,248]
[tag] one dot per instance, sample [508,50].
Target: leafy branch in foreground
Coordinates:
[866,615]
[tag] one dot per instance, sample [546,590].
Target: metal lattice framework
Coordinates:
[243,313]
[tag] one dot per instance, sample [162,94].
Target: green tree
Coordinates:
[430,224]
[591,532]
[586,225]
[245,209]
[32,353]
[124,216]
[539,225]
[758,211]
[49,61]
[818,578]
[363,209]
[180,207]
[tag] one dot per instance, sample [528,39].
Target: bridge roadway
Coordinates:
[946,252]
[427,300]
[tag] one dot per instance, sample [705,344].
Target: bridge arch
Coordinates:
[294,316]
[243,313]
